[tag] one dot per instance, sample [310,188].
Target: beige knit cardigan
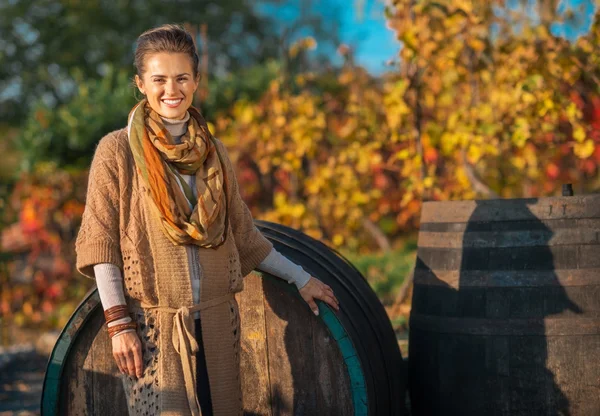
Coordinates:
[120,226]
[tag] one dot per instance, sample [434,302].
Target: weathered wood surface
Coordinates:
[91,378]
[254,360]
[497,210]
[290,365]
[506,308]
[305,374]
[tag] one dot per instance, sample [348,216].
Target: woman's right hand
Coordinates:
[127,351]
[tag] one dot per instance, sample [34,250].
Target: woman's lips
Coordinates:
[172,103]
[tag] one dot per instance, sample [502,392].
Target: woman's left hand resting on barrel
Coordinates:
[315,289]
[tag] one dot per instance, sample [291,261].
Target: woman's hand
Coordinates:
[315,289]
[127,350]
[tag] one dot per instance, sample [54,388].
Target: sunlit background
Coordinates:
[342,118]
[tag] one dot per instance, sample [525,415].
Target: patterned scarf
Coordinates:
[160,161]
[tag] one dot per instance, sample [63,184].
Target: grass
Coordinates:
[386,272]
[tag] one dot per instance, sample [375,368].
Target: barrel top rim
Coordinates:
[524,201]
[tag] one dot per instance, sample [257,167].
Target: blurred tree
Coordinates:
[67,133]
[43,41]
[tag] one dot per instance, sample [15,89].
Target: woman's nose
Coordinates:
[170,88]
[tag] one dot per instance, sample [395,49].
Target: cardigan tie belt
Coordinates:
[185,343]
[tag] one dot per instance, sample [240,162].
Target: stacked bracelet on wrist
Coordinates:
[114,330]
[115,313]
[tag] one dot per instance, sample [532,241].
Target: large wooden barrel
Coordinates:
[293,362]
[506,308]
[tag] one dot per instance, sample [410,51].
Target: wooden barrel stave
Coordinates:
[506,308]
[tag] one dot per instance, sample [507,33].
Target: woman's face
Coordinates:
[168,83]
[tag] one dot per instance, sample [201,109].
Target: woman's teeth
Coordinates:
[172,102]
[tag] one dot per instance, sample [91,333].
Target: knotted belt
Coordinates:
[185,343]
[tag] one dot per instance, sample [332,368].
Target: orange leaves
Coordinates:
[47,205]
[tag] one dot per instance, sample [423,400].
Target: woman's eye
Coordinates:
[159,80]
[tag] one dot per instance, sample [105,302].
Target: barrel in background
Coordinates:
[506,308]
[292,361]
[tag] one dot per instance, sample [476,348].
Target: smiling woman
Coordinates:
[168,239]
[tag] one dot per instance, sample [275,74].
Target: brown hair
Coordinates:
[166,38]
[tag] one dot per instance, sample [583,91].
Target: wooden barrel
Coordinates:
[505,316]
[293,362]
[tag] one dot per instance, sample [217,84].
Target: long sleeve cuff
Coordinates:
[279,265]
[109,281]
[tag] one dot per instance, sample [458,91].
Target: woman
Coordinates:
[168,239]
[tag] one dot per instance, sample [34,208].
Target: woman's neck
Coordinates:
[176,128]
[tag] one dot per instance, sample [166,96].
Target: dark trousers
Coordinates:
[202,384]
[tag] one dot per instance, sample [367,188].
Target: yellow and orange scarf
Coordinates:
[160,161]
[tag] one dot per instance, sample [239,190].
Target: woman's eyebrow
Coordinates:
[164,76]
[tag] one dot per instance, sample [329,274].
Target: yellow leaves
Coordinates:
[474,154]
[547,105]
[308,43]
[476,44]
[521,132]
[396,107]
[410,40]
[585,149]
[338,239]
[286,208]
[573,112]
[518,162]
[403,154]
[280,121]
[346,77]
[353,151]
[244,112]
[450,141]
[452,121]
[579,134]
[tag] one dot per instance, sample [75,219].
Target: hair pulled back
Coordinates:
[166,38]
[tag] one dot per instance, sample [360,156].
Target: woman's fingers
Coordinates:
[313,306]
[117,358]
[315,289]
[130,363]
[331,302]
[327,296]
[137,360]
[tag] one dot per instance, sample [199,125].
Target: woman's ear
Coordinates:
[140,84]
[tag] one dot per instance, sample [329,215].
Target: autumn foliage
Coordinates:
[39,285]
[482,104]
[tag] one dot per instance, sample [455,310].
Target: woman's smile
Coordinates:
[172,103]
[168,83]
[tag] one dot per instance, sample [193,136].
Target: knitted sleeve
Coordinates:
[98,239]
[253,247]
